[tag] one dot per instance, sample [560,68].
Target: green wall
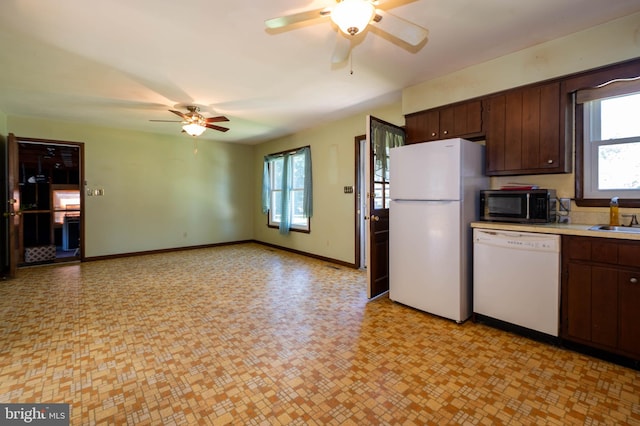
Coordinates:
[158,194]
[333,162]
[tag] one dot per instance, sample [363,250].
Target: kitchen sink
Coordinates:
[610,228]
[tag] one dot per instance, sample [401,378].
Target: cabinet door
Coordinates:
[604,306]
[447,123]
[467,119]
[550,143]
[513,131]
[578,297]
[415,128]
[504,134]
[629,309]
[592,306]
[461,120]
[432,125]
[422,126]
[496,134]
[523,131]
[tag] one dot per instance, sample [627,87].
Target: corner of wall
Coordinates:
[3,126]
[608,43]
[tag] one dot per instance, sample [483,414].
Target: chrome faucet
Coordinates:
[634,219]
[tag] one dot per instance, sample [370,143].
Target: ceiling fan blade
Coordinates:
[214,127]
[390,4]
[401,29]
[283,21]
[180,114]
[216,119]
[342,50]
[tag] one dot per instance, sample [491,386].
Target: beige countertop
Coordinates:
[556,228]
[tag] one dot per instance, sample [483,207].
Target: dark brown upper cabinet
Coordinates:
[524,132]
[453,121]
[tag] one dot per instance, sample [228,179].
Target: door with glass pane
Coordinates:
[45,201]
[381,137]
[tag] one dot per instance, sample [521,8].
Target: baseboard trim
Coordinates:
[175,249]
[167,250]
[303,253]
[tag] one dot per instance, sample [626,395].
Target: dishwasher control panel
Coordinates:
[531,244]
[518,240]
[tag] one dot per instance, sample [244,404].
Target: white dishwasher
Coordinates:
[516,278]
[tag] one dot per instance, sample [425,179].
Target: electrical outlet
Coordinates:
[348,189]
[564,204]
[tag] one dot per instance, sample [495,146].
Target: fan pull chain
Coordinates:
[195,146]
[351,62]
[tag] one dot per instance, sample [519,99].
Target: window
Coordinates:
[384,136]
[287,191]
[608,133]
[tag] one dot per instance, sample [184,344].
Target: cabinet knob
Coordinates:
[433,134]
[446,132]
[633,280]
[549,161]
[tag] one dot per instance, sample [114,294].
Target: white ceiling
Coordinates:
[120,63]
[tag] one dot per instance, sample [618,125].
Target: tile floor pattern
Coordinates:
[250,335]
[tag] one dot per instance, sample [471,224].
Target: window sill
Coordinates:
[303,231]
[604,202]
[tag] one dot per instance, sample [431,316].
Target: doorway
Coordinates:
[372,201]
[46,201]
[361,202]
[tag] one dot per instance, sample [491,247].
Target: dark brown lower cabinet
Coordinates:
[601,294]
[629,327]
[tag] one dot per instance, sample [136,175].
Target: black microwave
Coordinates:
[522,206]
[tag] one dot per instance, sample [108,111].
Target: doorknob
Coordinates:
[375,218]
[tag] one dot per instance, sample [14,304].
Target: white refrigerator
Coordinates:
[434,191]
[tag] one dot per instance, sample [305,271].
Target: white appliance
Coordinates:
[434,191]
[516,278]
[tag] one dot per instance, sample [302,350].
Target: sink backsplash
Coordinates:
[598,216]
[564,186]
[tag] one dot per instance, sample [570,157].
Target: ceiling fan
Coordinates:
[195,123]
[353,17]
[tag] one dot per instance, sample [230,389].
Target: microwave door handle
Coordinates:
[528,209]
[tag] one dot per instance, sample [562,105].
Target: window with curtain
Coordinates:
[611,140]
[287,193]
[384,137]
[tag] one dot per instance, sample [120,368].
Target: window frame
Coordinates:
[575,114]
[271,221]
[591,146]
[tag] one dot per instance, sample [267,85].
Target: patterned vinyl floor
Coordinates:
[250,335]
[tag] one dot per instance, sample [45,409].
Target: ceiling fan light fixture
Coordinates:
[194,129]
[353,16]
